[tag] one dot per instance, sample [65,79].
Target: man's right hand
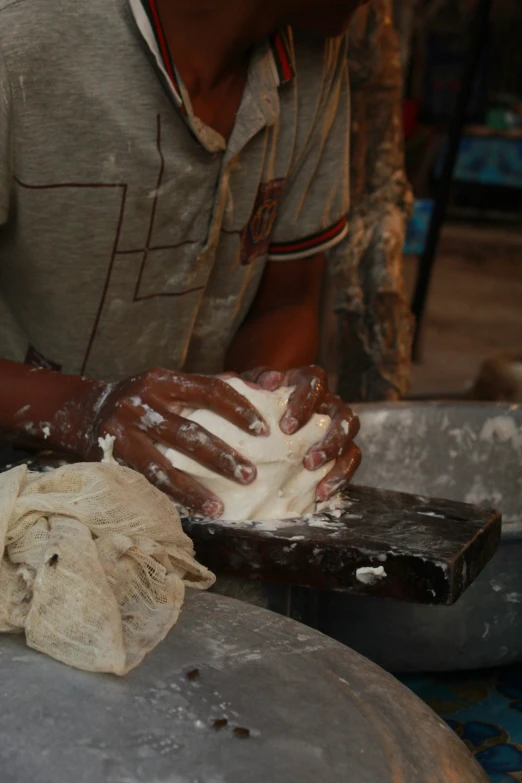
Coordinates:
[70,414]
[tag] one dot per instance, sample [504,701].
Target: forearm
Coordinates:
[281,339]
[33,402]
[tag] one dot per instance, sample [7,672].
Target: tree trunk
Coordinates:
[366,286]
[403,12]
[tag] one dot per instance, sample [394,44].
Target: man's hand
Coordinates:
[148,409]
[281,331]
[311,396]
[69,413]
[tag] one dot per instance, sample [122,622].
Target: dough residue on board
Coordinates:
[106,444]
[283,487]
[368,575]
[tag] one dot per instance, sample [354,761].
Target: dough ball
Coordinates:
[283,487]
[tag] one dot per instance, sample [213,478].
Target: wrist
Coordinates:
[47,408]
[281,339]
[73,426]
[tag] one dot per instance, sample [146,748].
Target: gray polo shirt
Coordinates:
[131,235]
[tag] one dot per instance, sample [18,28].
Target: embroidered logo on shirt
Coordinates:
[255,237]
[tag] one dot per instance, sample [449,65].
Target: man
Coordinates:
[172,173]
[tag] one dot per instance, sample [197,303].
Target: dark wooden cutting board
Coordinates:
[429,550]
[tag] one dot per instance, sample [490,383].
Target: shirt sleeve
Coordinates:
[311,216]
[5,141]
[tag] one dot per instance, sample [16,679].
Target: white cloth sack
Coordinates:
[94,564]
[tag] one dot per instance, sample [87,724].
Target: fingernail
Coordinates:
[271,380]
[324,493]
[329,489]
[289,424]
[315,460]
[245,474]
[213,509]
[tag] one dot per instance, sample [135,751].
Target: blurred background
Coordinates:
[436,231]
[475,299]
[446,81]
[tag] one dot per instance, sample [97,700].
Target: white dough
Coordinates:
[283,487]
[370,575]
[106,444]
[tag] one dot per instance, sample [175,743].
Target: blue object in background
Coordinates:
[488,160]
[485,711]
[417,228]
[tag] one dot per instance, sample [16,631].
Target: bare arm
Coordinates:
[282,328]
[69,414]
[281,333]
[31,399]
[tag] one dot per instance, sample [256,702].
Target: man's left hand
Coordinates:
[311,396]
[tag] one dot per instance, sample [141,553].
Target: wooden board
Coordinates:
[431,550]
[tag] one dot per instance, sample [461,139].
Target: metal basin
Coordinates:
[463,451]
[234,693]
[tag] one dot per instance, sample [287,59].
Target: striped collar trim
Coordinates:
[149,23]
[281,43]
[152,12]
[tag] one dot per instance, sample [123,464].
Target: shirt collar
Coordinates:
[282,51]
[148,23]
[147,19]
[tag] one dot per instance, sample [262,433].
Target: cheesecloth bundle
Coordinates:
[94,564]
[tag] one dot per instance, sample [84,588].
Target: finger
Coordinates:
[310,391]
[332,446]
[334,407]
[340,475]
[267,379]
[193,440]
[226,376]
[136,450]
[212,393]
[341,432]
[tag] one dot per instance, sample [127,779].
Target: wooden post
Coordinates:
[365,286]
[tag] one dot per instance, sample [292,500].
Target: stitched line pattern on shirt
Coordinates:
[95,185]
[155,248]
[56,185]
[154,207]
[146,250]
[107,281]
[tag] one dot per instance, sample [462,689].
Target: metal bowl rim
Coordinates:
[512,528]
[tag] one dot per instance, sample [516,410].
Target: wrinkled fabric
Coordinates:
[94,564]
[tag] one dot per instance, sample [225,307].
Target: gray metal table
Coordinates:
[235,693]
